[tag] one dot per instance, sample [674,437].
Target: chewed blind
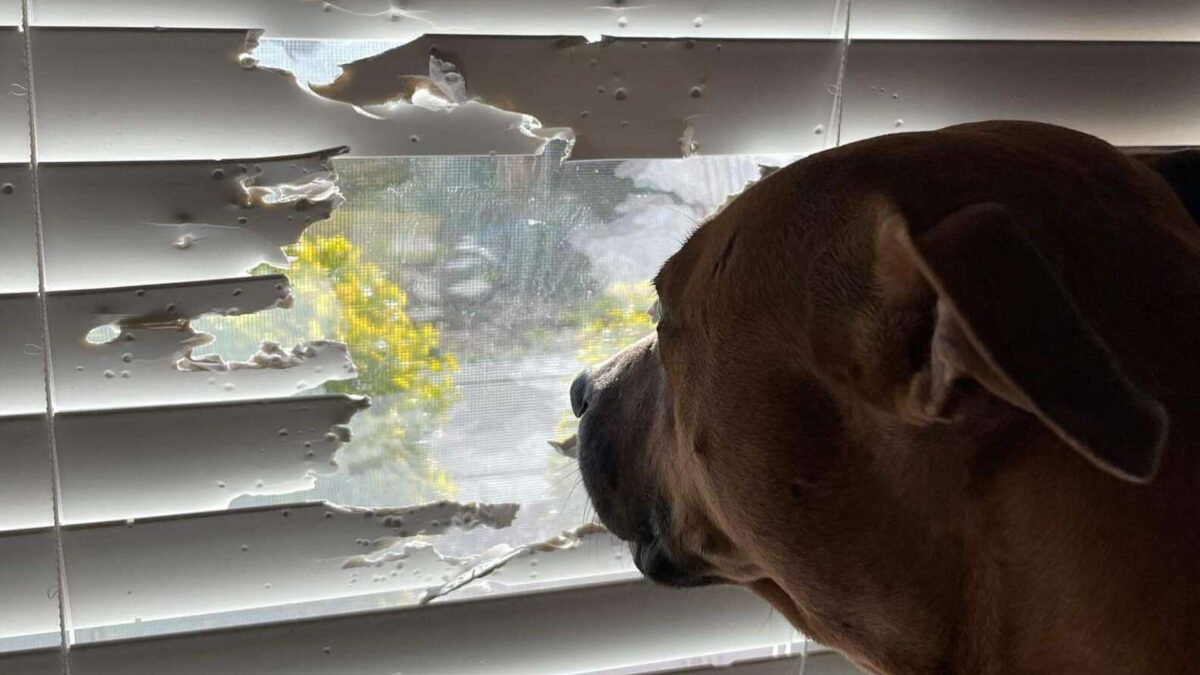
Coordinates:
[316,276]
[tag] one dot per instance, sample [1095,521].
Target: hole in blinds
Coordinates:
[467,289]
[101,335]
[441,92]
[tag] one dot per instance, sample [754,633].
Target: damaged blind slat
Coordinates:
[148,354]
[113,225]
[402,21]
[186,94]
[266,556]
[301,553]
[619,97]
[145,462]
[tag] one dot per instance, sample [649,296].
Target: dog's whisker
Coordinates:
[567,499]
[565,467]
[559,481]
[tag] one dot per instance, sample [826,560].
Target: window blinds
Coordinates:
[147,224]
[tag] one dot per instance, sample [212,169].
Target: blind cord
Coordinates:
[47,364]
[841,78]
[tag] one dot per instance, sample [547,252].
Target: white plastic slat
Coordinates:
[41,662]
[18,258]
[25,497]
[10,13]
[619,97]
[29,588]
[21,355]
[1025,20]
[111,225]
[160,461]
[226,568]
[817,663]
[147,362]
[14,115]
[773,651]
[182,94]
[823,663]
[386,19]
[583,630]
[1126,93]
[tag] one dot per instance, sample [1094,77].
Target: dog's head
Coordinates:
[852,351]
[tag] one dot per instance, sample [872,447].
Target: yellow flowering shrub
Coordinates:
[393,353]
[400,362]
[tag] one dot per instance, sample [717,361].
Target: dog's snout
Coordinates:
[581,393]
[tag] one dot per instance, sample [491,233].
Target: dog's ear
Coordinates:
[1003,319]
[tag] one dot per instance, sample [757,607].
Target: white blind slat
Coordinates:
[818,663]
[381,19]
[146,462]
[1127,93]
[20,356]
[29,580]
[1152,20]
[583,630]
[16,222]
[14,119]
[10,13]
[25,478]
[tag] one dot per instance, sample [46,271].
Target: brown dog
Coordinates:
[936,397]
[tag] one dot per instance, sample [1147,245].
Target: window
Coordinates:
[223,283]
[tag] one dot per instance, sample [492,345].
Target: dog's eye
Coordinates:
[655,311]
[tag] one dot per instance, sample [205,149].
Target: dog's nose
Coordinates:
[581,392]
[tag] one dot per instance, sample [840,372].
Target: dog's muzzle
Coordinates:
[620,407]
